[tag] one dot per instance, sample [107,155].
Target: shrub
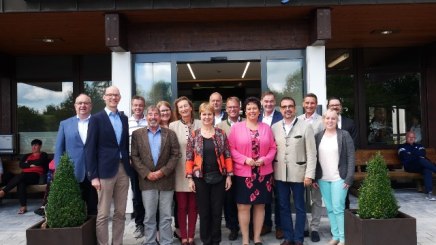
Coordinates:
[65,206]
[376,198]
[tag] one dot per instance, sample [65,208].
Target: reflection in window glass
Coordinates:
[95,90]
[342,86]
[41,106]
[393,102]
[285,78]
[153,81]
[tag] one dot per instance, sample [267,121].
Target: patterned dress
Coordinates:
[256,189]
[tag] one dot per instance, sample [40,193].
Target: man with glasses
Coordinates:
[294,168]
[137,121]
[108,165]
[71,139]
[233,108]
[344,122]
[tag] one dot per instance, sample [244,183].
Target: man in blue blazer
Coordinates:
[71,139]
[108,167]
[270,116]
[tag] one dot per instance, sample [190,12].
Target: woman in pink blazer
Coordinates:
[253,149]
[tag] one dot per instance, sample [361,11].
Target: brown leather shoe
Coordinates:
[265,230]
[298,243]
[285,242]
[279,234]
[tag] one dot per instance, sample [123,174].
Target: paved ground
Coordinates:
[13,226]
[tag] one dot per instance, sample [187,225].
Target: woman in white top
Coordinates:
[334,172]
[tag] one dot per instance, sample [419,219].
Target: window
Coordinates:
[153,81]
[285,78]
[40,108]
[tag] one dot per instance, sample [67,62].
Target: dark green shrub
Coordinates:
[376,198]
[65,207]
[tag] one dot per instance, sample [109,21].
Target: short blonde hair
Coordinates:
[330,110]
[206,106]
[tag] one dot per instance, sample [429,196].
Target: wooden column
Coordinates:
[321,29]
[116,33]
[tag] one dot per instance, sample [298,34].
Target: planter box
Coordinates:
[400,230]
[84,234]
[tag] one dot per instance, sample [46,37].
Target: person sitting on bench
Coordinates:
[33,166]
[412,156]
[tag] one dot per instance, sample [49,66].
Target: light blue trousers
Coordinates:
[333,194]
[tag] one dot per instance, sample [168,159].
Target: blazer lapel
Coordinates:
[339,135]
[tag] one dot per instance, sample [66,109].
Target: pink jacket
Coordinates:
[240,148]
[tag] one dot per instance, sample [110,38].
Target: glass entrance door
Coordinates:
[197,75]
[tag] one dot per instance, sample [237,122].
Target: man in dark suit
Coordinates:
[346,124]
[270,116]
[71,139]
[155,153]
[108,167]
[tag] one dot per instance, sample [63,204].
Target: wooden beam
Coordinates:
[115,33]
[321,27]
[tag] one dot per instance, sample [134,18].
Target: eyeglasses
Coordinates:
[164,110]
[82,103]
[112,95]
[287,106]
[334,105]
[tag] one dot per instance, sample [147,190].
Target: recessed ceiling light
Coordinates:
[48,40]
[384,32]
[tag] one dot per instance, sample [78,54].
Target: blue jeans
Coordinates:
[425,167]
[284,191]
[334,195]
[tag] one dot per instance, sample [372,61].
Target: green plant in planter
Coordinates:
[65,206]
[376,198]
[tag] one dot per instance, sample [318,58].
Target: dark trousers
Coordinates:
[427,168]
[89,195]
[268,211]
[138,206]
[283,191]
[210,199]
[21,181]
[231,210]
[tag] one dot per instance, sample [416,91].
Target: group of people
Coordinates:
[221,160]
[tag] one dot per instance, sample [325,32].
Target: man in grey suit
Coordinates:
[294,168]
[155,153]
[310,102]
[71,139]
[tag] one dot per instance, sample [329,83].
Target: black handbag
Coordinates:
[213,177]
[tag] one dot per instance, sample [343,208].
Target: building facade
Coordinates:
[379,57]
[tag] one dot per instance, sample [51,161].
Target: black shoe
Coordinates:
[139,232]
[40,211]
[306,233]
[233,235]
[314,236]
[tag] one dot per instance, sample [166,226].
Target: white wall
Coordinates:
[122,78]
[316,73]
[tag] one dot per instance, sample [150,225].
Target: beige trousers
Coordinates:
[115,188]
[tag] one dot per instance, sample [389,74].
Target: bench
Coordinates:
[12,166]
[396,170]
